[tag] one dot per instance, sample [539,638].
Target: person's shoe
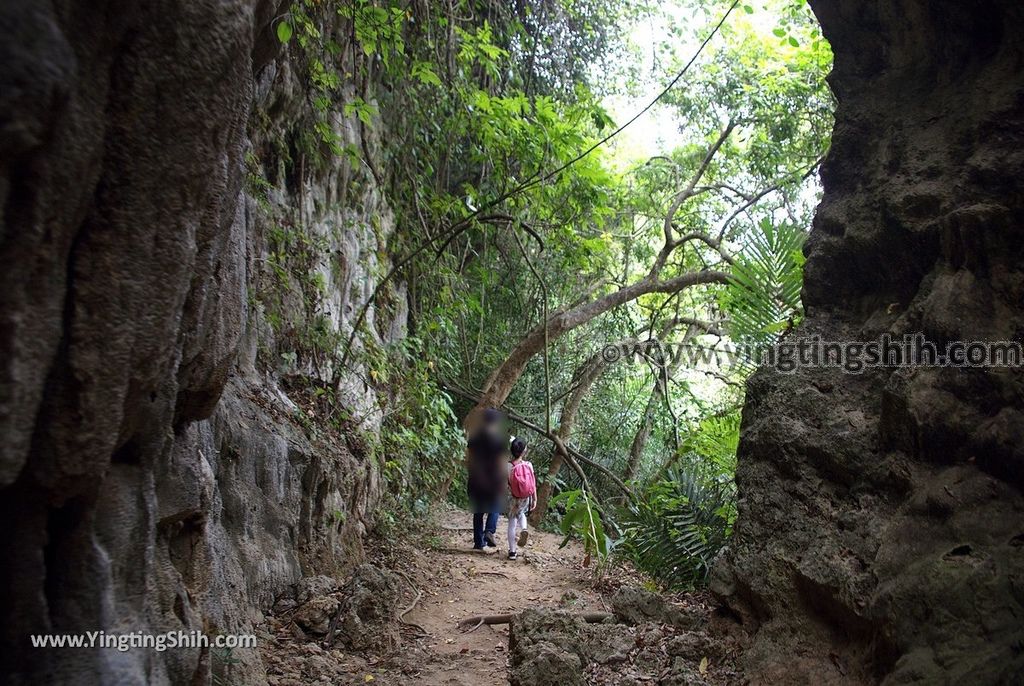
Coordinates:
[489,539]
[478,547]
[512,555]
[524,536]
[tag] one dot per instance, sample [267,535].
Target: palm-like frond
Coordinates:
[764,296]
[714,441]
[675,530]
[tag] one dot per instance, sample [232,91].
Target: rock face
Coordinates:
[156,190]
[369,607]
[361,616]
[881,527]
[647,640]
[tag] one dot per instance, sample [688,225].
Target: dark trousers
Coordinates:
[479,529]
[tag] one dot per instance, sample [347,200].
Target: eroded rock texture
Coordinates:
[646,640]
[153,476]
[881,518]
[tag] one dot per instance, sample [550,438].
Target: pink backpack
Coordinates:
[521,481]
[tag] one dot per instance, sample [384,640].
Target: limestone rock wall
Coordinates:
[154,477]
[881,527]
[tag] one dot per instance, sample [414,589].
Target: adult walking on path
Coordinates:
[486,450]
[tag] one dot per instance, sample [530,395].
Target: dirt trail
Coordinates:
[455,582]
[460,582]
[678,639]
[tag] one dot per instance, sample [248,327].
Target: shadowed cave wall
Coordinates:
[167,234]
[881,526]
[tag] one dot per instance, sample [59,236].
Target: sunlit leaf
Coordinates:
[284,31]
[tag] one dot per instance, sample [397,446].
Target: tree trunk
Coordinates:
[636,448]
[501,381]
[585,376]
[660,392]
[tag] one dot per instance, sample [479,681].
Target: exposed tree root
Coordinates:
[412,605]
[470,624]
[503,575]
[463,551]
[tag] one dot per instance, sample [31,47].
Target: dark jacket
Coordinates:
[487,452]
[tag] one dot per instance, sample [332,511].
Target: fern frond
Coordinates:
[676,529]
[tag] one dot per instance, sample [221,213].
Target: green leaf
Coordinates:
[284,32]
[425,73]
[748,9]
[794,42]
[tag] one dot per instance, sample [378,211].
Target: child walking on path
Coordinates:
[522,486]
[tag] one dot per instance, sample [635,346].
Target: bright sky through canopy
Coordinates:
[658,130]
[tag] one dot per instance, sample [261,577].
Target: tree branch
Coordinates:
[713,243]
[688,192]
[756,197]
[544,314]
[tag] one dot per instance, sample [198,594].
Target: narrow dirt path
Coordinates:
[671,640]
[459,582]
[455,582]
